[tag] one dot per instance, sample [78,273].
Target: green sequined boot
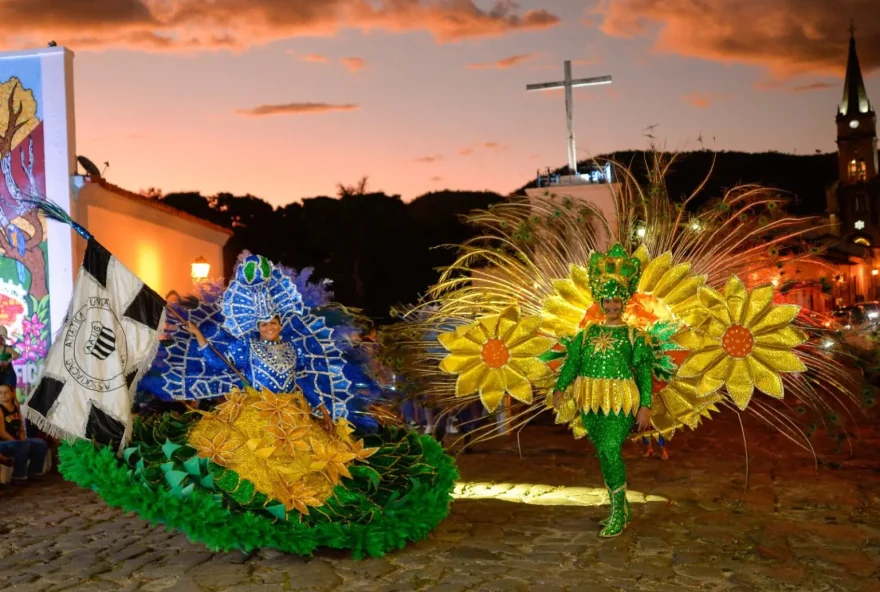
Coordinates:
[617,521]
[626,511]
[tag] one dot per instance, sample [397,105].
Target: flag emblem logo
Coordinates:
[95,352]
[102,343]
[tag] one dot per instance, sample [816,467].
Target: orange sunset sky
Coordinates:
[284,99]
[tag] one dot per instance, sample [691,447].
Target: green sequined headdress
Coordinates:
[614,274]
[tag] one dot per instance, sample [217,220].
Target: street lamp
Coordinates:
[200,269]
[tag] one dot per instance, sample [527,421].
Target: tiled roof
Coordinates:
[155,203]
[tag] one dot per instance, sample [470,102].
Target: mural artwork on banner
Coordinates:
[24,293]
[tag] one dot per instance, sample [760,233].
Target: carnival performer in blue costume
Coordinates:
[261,332]
[295,454]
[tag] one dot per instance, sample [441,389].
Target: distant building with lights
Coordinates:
[853,202]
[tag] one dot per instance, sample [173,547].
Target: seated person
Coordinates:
[7,356]
[29,453]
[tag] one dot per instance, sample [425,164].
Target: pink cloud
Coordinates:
[503,64]
[492,146]
[701,100]
[429,159]
[315,58]
[354,64]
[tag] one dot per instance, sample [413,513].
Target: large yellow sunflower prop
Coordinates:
[741,341]
[498,354]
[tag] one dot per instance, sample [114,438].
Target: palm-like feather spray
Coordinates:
[528,246]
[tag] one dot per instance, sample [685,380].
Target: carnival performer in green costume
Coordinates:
[679,320]
[606,378]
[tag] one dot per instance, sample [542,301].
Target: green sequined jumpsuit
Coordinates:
[609,369]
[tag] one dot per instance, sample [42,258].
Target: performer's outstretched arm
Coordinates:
[214,361]
[572,363]
[643,364]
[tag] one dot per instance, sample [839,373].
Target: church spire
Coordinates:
[855,97]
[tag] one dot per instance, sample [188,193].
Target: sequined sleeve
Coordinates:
[643,364]
[237,353]
[572,363]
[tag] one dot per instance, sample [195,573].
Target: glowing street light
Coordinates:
[200,269]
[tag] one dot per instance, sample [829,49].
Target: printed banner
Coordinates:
[24,291]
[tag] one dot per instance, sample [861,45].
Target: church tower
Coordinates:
[856,126]
[855,209]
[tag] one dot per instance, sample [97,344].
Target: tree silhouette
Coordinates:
[375,248]
[347,190]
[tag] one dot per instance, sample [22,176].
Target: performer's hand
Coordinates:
[643,419]
[557,399]
[197,333]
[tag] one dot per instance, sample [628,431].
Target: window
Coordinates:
[857,170]
[860,206]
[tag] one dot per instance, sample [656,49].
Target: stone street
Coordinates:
[795,528]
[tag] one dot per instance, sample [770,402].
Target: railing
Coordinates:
[596,174]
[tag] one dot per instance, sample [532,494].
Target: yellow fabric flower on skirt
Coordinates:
[496,355]
[741,341]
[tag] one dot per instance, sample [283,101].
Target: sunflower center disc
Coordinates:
[738,341]
[495,353]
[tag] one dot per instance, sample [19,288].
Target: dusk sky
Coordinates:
[284,99]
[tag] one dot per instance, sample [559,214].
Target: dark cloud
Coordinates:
[194,25]
[787,37]
[294,109]
[812,86]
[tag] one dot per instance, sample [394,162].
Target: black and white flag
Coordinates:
[109,339]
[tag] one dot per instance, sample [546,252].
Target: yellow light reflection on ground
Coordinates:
[545,495]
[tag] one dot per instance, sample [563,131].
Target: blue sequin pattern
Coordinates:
[311,354]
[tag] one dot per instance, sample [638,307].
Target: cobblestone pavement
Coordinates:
[795,529]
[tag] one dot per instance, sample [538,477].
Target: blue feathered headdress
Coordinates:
[257,293]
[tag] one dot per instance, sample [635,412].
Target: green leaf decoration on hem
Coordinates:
[278,511]
[193,466]
[388,503]
[169,447]
[371,474]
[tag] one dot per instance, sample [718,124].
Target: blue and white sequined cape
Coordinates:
[315,354]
